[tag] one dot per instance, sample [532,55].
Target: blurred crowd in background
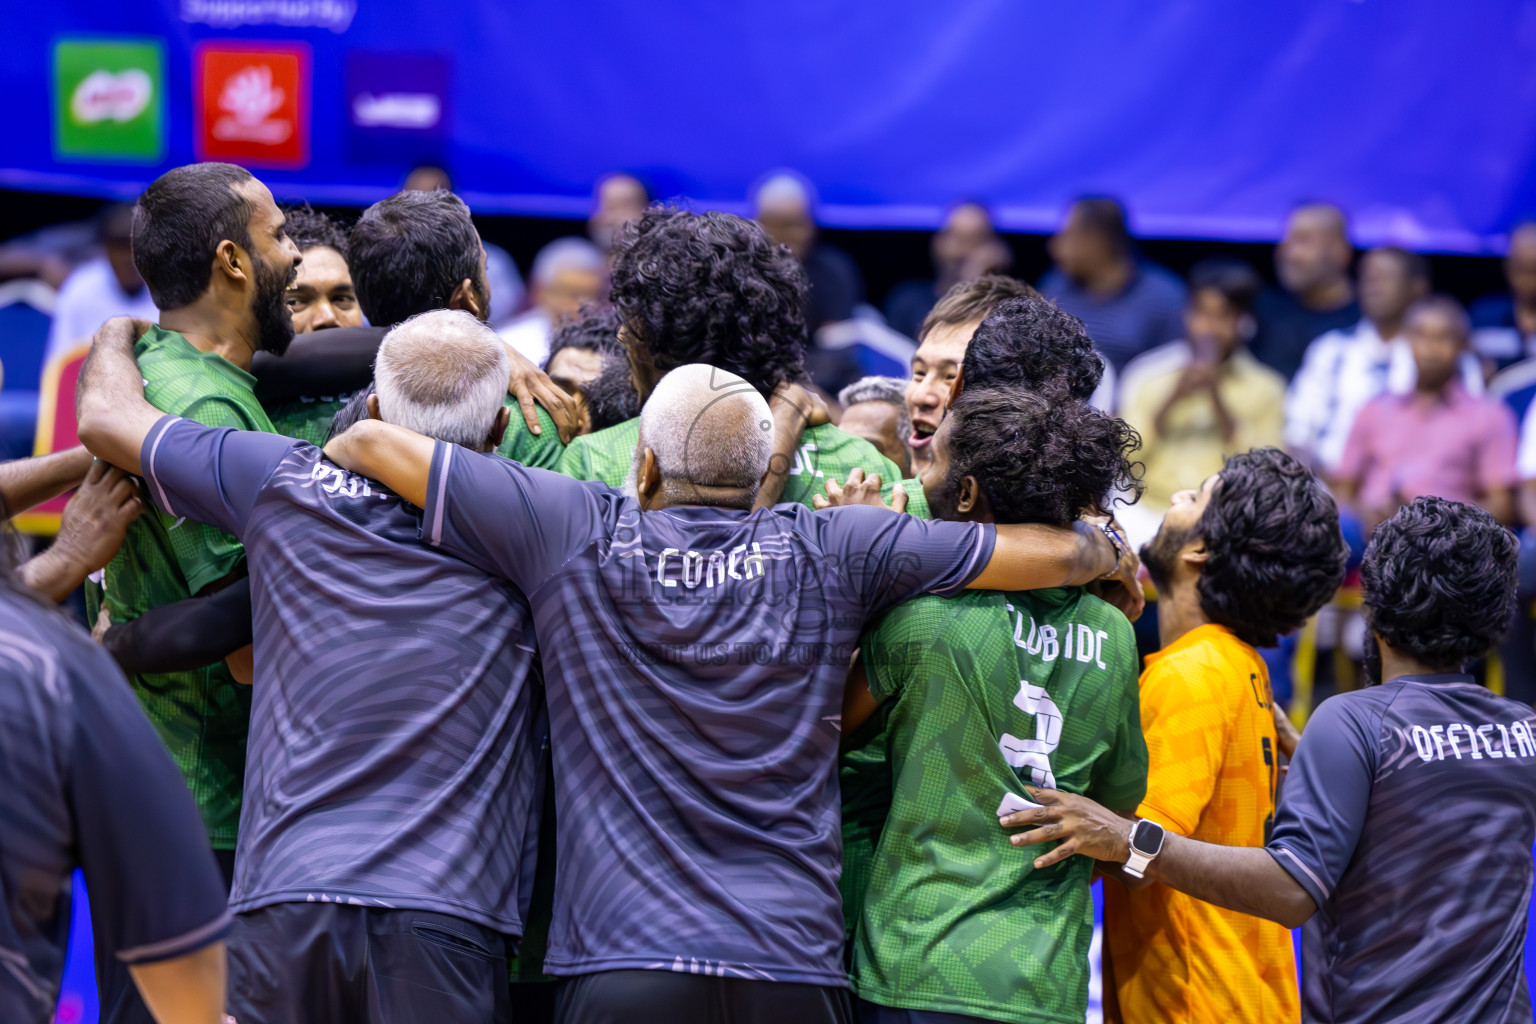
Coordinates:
[1351,360]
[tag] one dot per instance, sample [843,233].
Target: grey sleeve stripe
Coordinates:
[181,945]
[435,536]
[968,573]
[159,430]
[1276,852]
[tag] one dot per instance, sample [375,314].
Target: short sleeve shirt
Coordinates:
[1207,713]
[1408,816]
[201,715]
[85,782]
[694,661]
[393,746]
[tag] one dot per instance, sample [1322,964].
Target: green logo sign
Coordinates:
[108,99]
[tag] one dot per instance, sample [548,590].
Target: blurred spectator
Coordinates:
[941,343]
[501,274]
[101,288]
[1436,440]
[965,248]
[1315,294]
[321,296]
[566,273]
[1504,326]
[1344,369]
[785,206]
[1197,401]
[1127,304]
[875,409]
[619,199]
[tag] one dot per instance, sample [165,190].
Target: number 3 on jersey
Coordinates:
[1032,758]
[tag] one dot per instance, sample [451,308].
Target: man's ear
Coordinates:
[1194,554]
[957,385]
[968,495]
[233,262]
[465,297]
[498,429]
[373,407]
[648,477]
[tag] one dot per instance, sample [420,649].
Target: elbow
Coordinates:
[93,429]
[1294,910]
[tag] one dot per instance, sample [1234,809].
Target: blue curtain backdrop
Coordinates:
[1209,119]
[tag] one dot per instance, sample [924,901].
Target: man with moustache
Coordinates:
[212,246]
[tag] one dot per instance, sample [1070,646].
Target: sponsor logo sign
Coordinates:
[398,105]
[109,99]
[253,103]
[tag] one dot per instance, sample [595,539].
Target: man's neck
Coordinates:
[1388,328]
[1432,394]
[1328,296]
[678,494]
[1111,279]
[1395,665]
[1178,611]
[211,329]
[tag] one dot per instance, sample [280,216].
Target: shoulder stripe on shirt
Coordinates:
[970,565]
[1322,888]
[436,535]
[169,422]
[188,942]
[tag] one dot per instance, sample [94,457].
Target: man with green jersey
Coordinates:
[713,288]
[211,245]
[984,694]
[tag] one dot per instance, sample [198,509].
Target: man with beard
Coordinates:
[211,245]
[1407,818]
[1250,555]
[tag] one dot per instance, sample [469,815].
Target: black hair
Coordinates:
[1040,458]
[711,288]
[1234,280]
[409,252]
[1439,582]
[309,229]
[1414,264]
[1274,551]
[973,300]
[1028,343]
[178,224]
[611,396]
[596,329]
[1105,215]
[355,411]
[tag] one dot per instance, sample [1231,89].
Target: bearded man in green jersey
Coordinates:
[713,288]
[983,694]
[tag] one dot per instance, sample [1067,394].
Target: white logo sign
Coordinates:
[250,99]
[105,96]
[415,110]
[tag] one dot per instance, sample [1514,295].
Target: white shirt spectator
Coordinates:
[1342,371]
[90,296]
[529,336]
[1525,456]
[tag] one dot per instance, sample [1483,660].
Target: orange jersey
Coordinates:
[1206,709]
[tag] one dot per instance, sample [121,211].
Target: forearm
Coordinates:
[186,990]
[788,428]
[113,415]
[322,362]
[1034,557]
[28,482]
[185,635]
[53,574]
[399,459]
[1240,878]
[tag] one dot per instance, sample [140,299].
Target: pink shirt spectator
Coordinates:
[1403,447]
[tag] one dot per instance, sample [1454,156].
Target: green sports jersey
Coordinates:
[988,691]
[522,445]
[825,452]
[202,716]
[917,498]
[307,418]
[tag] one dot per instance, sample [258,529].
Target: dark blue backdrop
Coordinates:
[1210,119]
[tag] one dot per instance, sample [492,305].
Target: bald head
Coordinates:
[1313,255]
[443,374]
[706,436]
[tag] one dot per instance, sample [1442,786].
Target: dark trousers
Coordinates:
[873,1013]
[119,996]
[329,963]
[672,997]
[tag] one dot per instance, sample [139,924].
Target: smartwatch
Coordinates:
[1146,843]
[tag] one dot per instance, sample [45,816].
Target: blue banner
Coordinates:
[1208,119]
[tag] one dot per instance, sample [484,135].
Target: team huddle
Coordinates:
[654,696]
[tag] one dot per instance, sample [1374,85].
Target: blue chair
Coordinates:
[26,311]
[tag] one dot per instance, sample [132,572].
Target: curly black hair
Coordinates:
[1439,582]
[1274,551]
[596,329]
[711,288]
[611,396]
[1027,342]
[1040,458]
[310,228]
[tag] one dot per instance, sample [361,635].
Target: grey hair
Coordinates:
[880,389]
[442,374]
[574,253]
[707,427]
